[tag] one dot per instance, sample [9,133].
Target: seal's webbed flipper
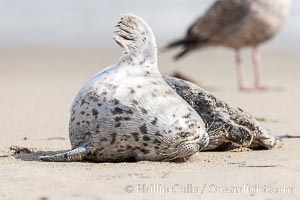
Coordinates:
[74,155]
[135,36]
[265,139]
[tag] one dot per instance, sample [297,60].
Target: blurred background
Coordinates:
[88,24]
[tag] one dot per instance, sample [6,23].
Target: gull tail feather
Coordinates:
[187,44]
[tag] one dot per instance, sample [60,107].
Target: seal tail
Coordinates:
[135,36]
[74,155]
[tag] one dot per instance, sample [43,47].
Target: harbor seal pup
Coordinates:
[128,112]
[226,125]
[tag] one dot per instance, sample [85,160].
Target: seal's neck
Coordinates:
[137,39]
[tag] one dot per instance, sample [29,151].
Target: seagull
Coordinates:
[236,24]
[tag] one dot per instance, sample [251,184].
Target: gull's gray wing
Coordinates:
[219,21]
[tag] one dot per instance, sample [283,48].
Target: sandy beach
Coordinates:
[38,86]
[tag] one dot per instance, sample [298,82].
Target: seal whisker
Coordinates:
[211,124]
[219,128]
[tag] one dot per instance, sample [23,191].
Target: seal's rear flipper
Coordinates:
[74,155]
[264,139]
[135,36]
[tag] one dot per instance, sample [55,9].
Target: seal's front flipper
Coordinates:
[75,155]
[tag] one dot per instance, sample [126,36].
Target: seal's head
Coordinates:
[194,140]
[186,140]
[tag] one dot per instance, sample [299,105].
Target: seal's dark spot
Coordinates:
[145,144]
[118,125]
[103,140]
[118,110]
[135,102]
[144,111]
[146,138]
[145,151]
[135,135]
[187,115]
[154,121]
[128,147]
[135,148]
[143,61]
[191,125]
[143,129]
[82,112]
[156,141]
[78,123]
[132,91]
[95,112]
[83,102]
[117,119]
[116,101]
[157,133]
[126,118]
[129,111]
[99,104]
[113,136]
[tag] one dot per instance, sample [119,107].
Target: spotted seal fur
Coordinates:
[127,111]
[226,125]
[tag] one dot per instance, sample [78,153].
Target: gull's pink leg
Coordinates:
[239,70]
[256,68]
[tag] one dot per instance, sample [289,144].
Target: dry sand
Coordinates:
[37,88]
